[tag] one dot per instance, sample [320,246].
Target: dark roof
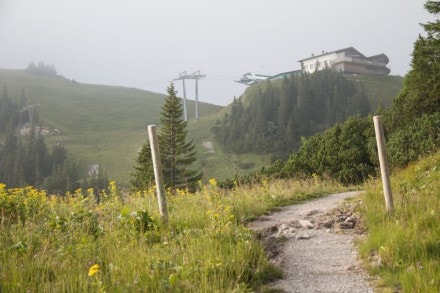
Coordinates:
[379,56]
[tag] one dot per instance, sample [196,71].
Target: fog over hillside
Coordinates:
[146,44]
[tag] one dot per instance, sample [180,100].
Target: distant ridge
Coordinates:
[98,123]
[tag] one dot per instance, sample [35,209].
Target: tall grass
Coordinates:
[74,244]
[404,247]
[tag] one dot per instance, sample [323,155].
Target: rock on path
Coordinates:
[314,257]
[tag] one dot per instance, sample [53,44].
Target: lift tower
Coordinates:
[196,75]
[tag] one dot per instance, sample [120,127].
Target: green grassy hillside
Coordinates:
[381,90]
[107,124]
[214,162]
[99,124]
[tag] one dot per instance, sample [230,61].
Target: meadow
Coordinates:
[118,243]
[403,247]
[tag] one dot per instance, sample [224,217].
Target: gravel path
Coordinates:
[317,256]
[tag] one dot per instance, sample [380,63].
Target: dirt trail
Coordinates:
[313,244]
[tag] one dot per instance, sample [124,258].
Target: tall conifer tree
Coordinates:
[177,154]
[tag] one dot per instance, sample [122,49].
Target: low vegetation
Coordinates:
[403,248]
[74,243]
[347,152]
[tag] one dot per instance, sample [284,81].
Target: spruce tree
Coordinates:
[177,154]
[420,94]
[143,176]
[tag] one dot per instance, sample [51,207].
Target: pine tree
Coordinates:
[177,154]
[143,175]
[420,94]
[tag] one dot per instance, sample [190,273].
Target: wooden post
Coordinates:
[384,170]
[161,198]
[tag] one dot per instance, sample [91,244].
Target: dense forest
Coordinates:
[278,115]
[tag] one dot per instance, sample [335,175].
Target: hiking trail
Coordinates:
[313,244]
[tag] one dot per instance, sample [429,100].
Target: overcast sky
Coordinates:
[146,44]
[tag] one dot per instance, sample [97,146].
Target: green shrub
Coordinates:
[418,139]
[343,152]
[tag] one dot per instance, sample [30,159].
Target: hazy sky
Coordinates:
[146,44]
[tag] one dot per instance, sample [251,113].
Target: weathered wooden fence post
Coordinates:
[384,169]
[161,197]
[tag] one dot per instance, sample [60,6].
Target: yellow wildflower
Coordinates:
[93,270]
[90,192]
[213,182]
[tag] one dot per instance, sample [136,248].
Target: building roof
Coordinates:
[352,51]
[286,74]
[386,60]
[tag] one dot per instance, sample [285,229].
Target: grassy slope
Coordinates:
[381,89]
[404,248]
[102,124]
[215,163]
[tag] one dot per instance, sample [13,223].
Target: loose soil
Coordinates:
[313,244]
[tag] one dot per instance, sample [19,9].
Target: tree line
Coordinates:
[41,68]
[25,159]
[274,115]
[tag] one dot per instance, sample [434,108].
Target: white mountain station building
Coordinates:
[348,60]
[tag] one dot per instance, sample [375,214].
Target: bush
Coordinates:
[343,152]
[419,138]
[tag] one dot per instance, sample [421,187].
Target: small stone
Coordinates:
[305,224]
[342,217]
[347,225]
[295,224]
[326,224]
[285,231]
[351,219]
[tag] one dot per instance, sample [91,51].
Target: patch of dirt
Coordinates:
[208,146]
[313,244]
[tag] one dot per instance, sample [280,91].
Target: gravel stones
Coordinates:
[313,244]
